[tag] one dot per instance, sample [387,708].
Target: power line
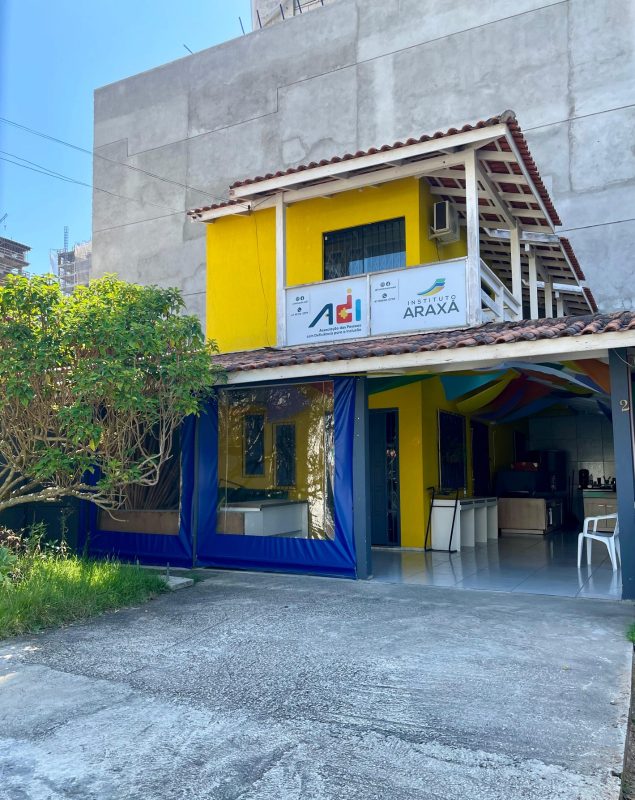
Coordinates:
[67,179]
[137,222]
[52,174]
[596,225]
[79,149]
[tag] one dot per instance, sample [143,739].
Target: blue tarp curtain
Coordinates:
[198,542]
[151,548]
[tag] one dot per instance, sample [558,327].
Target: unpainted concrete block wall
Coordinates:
[359,73]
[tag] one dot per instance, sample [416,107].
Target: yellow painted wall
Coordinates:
[309,220]
[241,281]
[502,447]
[418,406]
[241,302]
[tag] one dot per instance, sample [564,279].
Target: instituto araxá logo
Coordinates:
[431,302]
[340,314]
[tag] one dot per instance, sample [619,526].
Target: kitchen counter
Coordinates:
[598,503]
[535,515]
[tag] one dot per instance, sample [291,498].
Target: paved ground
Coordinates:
[262,687]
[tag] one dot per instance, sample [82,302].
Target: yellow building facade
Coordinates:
[242,314]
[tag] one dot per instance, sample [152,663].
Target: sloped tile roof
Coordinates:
[507,117]
[488,334]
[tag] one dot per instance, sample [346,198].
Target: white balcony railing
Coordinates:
[498,304]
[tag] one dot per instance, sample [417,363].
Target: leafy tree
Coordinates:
[93,386]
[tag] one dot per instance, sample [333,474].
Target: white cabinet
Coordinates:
[265,518]
[474,522]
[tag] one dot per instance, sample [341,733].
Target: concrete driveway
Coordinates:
[266,687]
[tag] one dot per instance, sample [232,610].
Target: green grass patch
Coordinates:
[59,589]
[630,633]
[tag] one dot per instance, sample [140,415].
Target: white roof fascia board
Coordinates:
[567,348]
[414,170]
[528,178]
[479,135]
[224,211]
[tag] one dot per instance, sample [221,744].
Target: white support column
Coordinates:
[281,271]
[533,284]
[548,295]
[517,273]
[559,305]
[473,278]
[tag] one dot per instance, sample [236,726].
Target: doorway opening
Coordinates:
[500,468]
[384,477]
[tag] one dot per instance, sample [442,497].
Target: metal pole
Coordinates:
[622,411]
[361,482]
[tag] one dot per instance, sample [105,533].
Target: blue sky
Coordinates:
[52,56]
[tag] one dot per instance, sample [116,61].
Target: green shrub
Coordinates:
[7,565]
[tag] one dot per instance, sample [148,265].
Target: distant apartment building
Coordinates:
[12,257]
[72,266]
[354,75]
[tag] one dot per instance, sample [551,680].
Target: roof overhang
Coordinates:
[373,162]
[568,349]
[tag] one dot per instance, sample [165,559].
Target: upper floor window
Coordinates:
[365,248]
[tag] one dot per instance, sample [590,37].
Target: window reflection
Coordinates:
[276,461]
[365,248]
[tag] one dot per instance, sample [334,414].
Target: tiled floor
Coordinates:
[529,564]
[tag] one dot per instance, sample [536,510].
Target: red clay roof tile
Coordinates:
[490,333]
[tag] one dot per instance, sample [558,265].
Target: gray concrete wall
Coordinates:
[270,12]
[359,73]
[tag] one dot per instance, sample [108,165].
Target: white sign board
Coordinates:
[328,312]
[418,299]
[395,301]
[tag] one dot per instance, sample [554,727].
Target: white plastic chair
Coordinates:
[610,538]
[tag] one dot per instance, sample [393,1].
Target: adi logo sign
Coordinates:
[343,312]
[328,311]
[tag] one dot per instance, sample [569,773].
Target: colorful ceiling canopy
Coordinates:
[519,389]
[516,389]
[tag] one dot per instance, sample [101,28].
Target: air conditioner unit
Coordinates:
[445,223]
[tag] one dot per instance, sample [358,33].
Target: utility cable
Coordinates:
[59,176]
[79,149]
[42,170]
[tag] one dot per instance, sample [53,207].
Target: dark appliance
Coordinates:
[583,478]
[553,465]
